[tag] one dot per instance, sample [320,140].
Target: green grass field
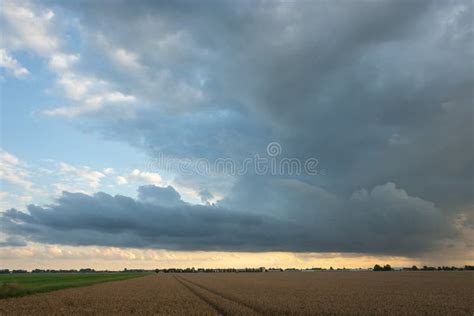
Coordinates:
[14,285]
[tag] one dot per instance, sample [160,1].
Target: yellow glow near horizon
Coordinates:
[69,257]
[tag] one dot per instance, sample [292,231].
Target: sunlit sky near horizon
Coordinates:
[96,96]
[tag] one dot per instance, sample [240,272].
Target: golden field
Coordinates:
[271,293]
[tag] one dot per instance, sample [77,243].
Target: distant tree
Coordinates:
[414,268]
[387,267]
[377,268]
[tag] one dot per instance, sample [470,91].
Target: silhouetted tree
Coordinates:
[377,268]
[387,267]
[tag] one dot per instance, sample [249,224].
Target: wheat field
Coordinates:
[286,293]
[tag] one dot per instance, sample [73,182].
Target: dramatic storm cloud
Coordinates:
[379,92]
[384,220]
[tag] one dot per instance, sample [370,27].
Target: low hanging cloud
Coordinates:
[385,220]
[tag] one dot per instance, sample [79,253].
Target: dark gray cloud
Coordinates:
[383,220]
[166,197]
[11,241]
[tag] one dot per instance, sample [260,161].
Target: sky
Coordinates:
[154,134]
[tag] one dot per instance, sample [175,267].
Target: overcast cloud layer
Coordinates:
[380,92]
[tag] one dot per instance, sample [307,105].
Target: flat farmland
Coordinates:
[317,293]
[12,285]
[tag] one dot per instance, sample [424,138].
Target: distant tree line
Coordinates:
[194,270]
[86,270]
[136,270]
[386,267]
[6,271]
[377,267]
[443,268]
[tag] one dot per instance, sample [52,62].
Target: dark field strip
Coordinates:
[14,285]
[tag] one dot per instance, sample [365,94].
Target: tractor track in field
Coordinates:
[221,303]
[216,307]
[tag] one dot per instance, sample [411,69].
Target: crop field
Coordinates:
[300,293]
[12,285]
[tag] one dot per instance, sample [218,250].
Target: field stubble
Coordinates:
[442,293]
[392,293]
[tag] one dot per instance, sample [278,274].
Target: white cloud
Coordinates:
[60,62]
[148,177]
[27,27]
[12,65]
[9,200]
[161,86]
[6,157]
[139,176]
[30,27]
[121,180]
[91,104]
[81,176]
[117,97]
[121,56]
[126,58]
[75,87]
[108,171]
[14,171]
[49,15]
